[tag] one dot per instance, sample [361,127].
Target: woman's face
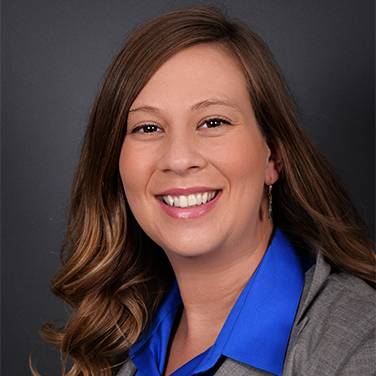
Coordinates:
[194,163]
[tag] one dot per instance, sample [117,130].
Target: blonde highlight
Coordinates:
[113,276]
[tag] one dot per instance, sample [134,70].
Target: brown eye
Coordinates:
[146,128]
[213,123]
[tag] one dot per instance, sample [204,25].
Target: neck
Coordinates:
[210,284]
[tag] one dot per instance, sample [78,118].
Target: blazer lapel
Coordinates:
[231,367]
[127,369]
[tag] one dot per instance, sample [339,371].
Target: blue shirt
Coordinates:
[256,331]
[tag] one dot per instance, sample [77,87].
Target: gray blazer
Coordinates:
[333,332]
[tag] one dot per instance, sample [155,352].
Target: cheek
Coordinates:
[243,159]
[135,174]
[133,171]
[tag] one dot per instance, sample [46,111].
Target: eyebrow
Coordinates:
[197,106]
[146,109]
[215,102]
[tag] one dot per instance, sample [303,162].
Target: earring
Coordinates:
[270,215]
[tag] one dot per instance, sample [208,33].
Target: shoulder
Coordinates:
[334,332]
[341,299]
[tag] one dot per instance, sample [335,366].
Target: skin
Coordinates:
[193,127]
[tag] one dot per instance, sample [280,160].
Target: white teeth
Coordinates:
[176,201]
[205,197]
[183,201]
[199,199]
[190,200]
[169,200]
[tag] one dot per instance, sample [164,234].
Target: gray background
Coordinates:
[54,54]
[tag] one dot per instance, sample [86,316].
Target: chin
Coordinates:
[189,250]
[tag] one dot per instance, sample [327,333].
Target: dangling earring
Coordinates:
[270,201]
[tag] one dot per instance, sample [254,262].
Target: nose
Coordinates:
[181,153]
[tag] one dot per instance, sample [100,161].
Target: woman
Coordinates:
[207,233]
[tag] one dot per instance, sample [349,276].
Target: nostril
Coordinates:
[181,156]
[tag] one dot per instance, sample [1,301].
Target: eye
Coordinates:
[146,128]
[214,122]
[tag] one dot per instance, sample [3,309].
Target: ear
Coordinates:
[274,166]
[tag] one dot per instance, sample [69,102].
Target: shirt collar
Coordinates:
[258,328]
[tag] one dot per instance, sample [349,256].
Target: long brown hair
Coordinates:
[113,275]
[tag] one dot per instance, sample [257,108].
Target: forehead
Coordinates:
[194,73]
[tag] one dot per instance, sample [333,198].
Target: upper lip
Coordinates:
[186,191]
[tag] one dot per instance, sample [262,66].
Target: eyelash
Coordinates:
[215,119]
[152,128]
[145,126]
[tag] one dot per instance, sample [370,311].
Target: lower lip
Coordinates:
[189,213]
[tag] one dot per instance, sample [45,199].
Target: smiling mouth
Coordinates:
[187,201]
